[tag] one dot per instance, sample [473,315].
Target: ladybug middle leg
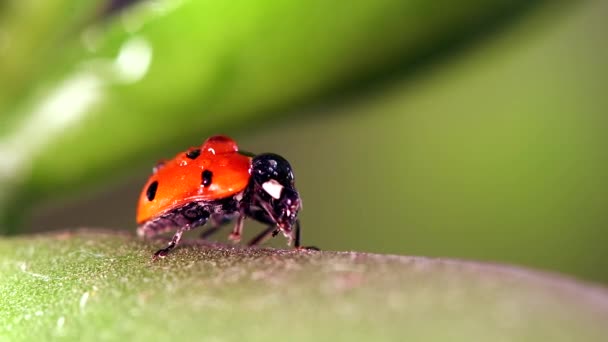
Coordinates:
[217,221]
[235,236]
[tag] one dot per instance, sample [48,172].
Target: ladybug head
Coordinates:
[274,186]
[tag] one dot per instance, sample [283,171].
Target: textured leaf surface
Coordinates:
[98,286]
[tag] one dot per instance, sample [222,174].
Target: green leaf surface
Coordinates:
[98,286]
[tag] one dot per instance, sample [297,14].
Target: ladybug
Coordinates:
[217,183]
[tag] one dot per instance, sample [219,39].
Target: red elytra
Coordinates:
[179,181]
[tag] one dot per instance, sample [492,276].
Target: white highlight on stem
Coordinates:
[83,300]
[133,60]
[67,103]
[62,107]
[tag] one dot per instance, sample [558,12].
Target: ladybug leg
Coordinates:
[264,235]
[235,236]
[186,218]
[217,222]
[296,241]
[271,231]
[161,253]
[294,236]
[296,232]
[209,231]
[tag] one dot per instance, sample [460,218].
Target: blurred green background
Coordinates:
[469,130]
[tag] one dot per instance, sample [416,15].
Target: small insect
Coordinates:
[216,183]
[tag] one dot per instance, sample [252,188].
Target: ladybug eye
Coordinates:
[151,191]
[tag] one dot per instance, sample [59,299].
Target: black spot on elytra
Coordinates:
[193,154]
[151,191]
[207,176]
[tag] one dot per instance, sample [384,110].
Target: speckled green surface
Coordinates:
[97,286]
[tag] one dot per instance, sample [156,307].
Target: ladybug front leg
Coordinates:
[296,240]
[296,235]
[270,231]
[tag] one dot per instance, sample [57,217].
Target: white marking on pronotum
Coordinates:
[63,105]
[133,60]
[273,188]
